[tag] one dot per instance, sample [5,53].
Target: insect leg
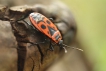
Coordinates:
[51,48]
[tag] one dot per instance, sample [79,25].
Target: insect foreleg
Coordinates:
[51,48]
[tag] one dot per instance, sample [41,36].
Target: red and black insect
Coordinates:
[45,26]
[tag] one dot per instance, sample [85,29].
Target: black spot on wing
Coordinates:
[48,22]
[43,26]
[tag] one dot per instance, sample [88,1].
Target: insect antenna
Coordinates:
[71,47]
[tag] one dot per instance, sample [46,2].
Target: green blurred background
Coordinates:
[91,22]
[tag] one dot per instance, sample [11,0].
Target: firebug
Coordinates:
[49,29]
